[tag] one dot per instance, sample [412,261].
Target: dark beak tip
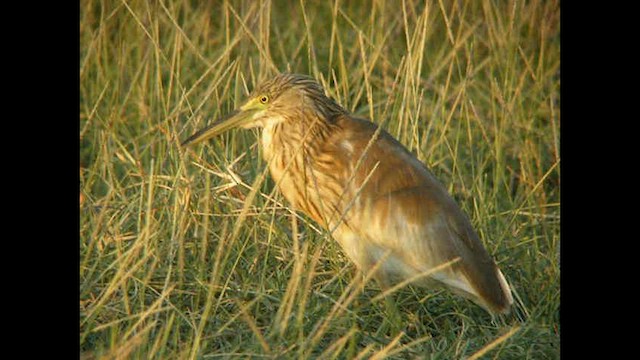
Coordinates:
[185,144]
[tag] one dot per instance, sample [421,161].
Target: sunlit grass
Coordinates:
[197,256]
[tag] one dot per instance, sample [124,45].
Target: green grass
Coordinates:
[195,255]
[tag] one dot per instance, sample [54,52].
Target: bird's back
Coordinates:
[394,208]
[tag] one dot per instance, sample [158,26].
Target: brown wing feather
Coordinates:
[413,215]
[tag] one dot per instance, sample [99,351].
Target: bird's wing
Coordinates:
[405,209]
[423,231]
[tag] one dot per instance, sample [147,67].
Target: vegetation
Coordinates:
[194,254]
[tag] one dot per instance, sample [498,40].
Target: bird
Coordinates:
[385,208]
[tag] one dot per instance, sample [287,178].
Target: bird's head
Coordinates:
[284,98]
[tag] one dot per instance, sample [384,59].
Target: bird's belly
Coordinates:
[366,255]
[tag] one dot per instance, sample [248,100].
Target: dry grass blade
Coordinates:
[384,352]
[493,344]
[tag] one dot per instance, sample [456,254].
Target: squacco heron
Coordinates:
[384,207]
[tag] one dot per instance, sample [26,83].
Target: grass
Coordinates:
[196,256]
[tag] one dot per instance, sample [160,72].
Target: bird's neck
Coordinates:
[292,139]
[291,153]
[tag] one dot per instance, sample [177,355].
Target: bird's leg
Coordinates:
[393,320]
[394,316]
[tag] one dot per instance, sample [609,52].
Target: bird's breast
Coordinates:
[310,180]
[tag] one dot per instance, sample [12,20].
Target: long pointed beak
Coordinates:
[236,118]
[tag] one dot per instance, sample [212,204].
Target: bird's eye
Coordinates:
[264,99]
